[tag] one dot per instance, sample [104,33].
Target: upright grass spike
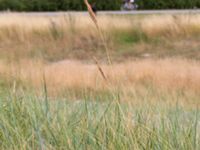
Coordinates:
[91,12]
[94,19]
[100,69]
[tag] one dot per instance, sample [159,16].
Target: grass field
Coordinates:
[58,91]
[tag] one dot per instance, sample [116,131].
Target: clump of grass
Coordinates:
[56,31]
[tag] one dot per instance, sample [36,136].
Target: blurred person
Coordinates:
[129,5]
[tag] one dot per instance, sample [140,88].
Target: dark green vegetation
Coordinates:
[55,5]
[168,4]
[61,5]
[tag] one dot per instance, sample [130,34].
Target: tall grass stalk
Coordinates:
[94,19]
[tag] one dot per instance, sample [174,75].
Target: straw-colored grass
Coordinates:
[165,75]
[151,25]
[47,43]
[60,37]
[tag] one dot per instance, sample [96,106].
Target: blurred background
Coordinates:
[64,5]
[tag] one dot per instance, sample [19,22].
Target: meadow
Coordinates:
[59,91]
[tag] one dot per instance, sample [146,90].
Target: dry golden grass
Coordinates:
[60,37]
[26,26]
[138,82]
[23,37]
[171,25]
[172,74]
[32,28]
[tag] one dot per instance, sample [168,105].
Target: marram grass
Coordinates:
[32,122]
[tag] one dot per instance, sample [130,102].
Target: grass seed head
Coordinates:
[91,12]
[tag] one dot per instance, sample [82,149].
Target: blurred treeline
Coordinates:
[56,5]
[168,4]
[61,5]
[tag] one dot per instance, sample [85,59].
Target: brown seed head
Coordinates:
[91,12]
